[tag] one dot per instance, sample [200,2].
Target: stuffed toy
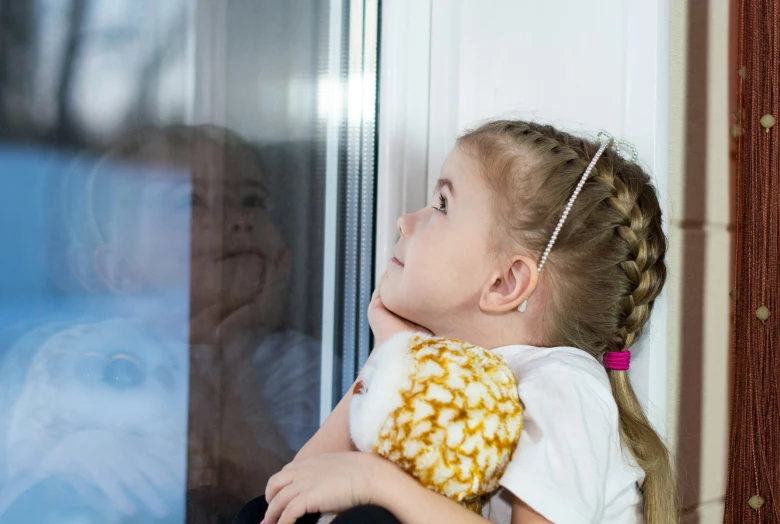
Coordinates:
[445,411]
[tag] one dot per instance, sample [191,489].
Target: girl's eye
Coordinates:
[442,204]
[253,201]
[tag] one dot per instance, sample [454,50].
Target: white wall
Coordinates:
[563,62]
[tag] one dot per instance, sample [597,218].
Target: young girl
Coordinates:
[548,249]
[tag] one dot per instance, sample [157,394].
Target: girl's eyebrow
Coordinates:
[249,183]
[445,182]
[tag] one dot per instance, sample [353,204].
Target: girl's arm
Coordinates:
[411,503]
[333,435]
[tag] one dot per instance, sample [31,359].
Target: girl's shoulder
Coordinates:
[564,366]
[561,382]
[569,464]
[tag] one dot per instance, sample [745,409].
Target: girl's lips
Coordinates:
[396,261]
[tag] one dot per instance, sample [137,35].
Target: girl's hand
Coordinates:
[324,483]
[384,323]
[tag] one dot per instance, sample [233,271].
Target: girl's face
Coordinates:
[215,218]
[237,251]
[443,257]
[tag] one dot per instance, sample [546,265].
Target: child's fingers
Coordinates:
[278,506]
[110,484]
[376,299]
[138,484]
[145,493]
[294,510]
[379,281]
[277,483]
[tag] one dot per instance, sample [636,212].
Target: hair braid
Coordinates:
[642,267]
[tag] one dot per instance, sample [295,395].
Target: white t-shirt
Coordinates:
[569,465]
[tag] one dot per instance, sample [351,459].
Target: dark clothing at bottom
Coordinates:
[254,511]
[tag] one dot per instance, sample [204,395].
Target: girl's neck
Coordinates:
[492,331]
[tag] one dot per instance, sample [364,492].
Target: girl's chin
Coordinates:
[400,304]
[407,314]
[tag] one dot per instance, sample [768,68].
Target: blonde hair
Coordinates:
[607,266]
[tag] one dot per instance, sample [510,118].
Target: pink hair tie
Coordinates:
[617,360]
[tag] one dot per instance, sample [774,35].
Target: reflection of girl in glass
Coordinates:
[161,202]
[253,387]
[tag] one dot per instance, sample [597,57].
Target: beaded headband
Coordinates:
[617,360]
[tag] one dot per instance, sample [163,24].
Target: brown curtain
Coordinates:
[753,493]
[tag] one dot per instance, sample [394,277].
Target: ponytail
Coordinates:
[661,503]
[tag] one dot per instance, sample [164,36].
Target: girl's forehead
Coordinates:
[208,161]
[462,172]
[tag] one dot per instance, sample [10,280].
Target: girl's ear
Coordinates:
[510,286]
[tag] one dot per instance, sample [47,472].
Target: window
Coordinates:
[187,228]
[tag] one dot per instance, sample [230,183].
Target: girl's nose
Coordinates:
[404,225]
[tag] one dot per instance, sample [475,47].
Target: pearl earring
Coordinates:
[522,307]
